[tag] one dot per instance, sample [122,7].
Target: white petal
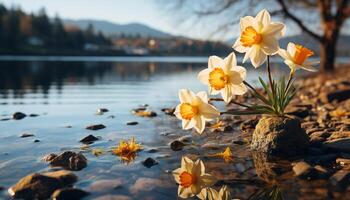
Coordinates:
[311,63]
[203,76]
[257,57]
[186,95]
[269,45]
[226,93]
[199,123]
[291,64]
[185,192]
[209,111]
[186,124]
[241,70]
[239,89]
[186,164]
[263,17]
[196,189]
[213,194]
[212,91]
[203,96]
[215,61]
[239,47]
[207,180]
[309,68]
[176,174]
[235,77]
[245,22]
[177,112]
[276,30]
[247,54]
[224,194]
[291,48]
[284,54]
[203,194]
[230,62]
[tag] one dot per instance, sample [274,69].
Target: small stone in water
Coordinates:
[131,123]
[25,135]
[70,160]
[239,142]
[96,127]
[49,157]
[69,193]
[33,115]
[102,110]
[169,111]
[18,115]
[177,145]
[149,162]
[89,139]
[35,141]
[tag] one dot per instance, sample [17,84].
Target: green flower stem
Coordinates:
[291,75]
[270,77]
[232,101]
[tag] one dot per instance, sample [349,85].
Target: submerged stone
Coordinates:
[131,123]
[149,162]
[18,115]
[69,193]
[279,136]
[96,127]
[89,139]
[177,145]
[25,135]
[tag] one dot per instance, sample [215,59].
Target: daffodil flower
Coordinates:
[194,110]
[223,194]
[192,178]
[127,150]
[296,57]
[259,37]
[224,76]
[226,155]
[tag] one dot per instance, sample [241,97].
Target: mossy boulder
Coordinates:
[279,137]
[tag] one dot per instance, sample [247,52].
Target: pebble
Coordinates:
[131,123]
[89,139]
[169,111]
[25,135]
[177,145]
[96,127]
[18,115]
[149,162]
[35,141]
[343,161]
[340,178]
[33,115]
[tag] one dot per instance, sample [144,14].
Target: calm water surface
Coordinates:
[68,92]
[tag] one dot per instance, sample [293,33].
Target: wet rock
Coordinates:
[96,127]
[185,139]
[300,112]
[277,136]
[131,123]
[341,178]
[343,161]
[339,96]
[25,135]
[36,141]
[238,142]
[306,171]
[176,145]
[89,139]
[5,119]
[2,188]
[33,115]
[169,111]
[248,124]
[338,145]
[18,115]
[41,186]
[70,160]
[49,157]
[69,194]
[149,162]
[100,111]
[144,113]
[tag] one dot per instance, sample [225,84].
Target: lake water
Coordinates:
[66,92]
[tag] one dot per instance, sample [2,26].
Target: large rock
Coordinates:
[69,194]
[41,186]
[279,136]
[70,160]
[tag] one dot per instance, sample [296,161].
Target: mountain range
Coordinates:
[113,29]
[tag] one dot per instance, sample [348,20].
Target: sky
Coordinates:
[118,11]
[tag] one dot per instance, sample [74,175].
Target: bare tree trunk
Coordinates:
[328,54]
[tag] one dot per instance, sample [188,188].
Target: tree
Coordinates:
[332,15]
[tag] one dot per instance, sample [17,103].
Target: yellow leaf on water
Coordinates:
[97,152]
[226,155]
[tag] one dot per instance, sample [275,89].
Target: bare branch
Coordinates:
[288,14]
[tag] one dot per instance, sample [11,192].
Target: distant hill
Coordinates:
[306,40]
[112,29]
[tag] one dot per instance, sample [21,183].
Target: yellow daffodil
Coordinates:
[127,150]
[224,76]
[192,178]
[223,194]
[226,155]
[194,110]
[259,37]
[296,57]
